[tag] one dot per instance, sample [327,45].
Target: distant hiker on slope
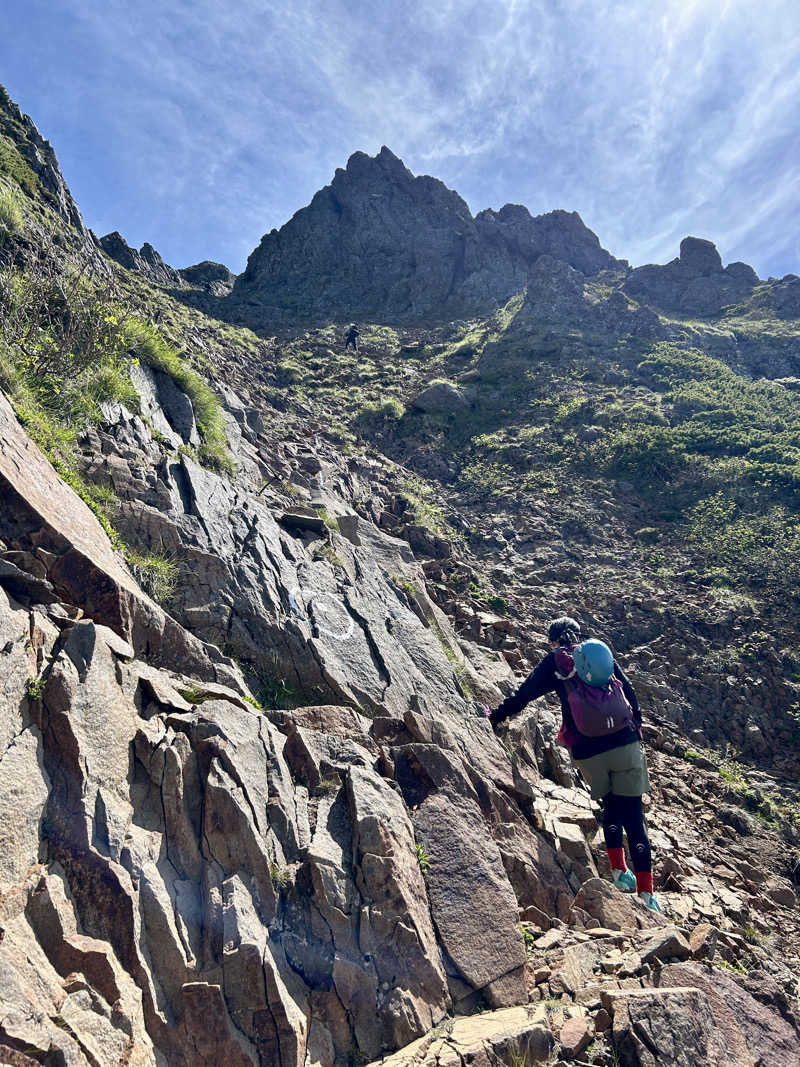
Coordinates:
[600,725]
[352,338]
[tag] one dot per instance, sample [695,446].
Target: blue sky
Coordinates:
[199,125]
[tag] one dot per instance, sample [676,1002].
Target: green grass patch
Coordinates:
[193,694]
[156,573]
[12,221]
[330,520]
[15,167]
[380,413]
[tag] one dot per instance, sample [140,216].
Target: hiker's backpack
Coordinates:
[596,710]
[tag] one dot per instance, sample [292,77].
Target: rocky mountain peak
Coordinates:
[385,165]
[146,261]
[382,243]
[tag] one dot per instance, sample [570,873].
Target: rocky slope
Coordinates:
[268,824]
[188,877]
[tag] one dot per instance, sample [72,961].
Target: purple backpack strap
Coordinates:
[565,665]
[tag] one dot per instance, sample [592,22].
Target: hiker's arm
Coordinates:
[629,692]
[540,681]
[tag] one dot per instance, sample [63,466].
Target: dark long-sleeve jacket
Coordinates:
[543,680]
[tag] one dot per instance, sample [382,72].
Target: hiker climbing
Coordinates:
[352,337]
[601,727]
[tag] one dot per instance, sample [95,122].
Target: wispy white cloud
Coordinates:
[197,125]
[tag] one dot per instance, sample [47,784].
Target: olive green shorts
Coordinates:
[620,770]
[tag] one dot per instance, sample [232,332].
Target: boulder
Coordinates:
[699,257]
[444,397]
[397,933]
[507,1035]
[668,1025]
[615,910]
[471,900]
[749,1027]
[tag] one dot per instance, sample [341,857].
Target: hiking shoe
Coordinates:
[650,900]
[624,880]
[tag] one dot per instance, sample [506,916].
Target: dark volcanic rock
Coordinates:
[560,234]
[695,283]
[785,297]
[146,261]
[215,278]
[382,244]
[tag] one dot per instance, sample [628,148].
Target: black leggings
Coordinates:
[626,813]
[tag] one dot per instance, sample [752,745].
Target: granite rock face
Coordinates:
[43,516]
[381,244]
[185,878]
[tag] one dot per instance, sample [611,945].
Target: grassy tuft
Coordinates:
[143,341]
[13,165]
[12,221]
[156,573]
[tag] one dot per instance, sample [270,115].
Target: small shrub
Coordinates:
[736,968]
[499,604]
[400,582]
[274,693]
[753,936]
[528,936]
[34,688]
[279,876]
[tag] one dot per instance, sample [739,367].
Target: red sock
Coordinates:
[616,857]
[644,881]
